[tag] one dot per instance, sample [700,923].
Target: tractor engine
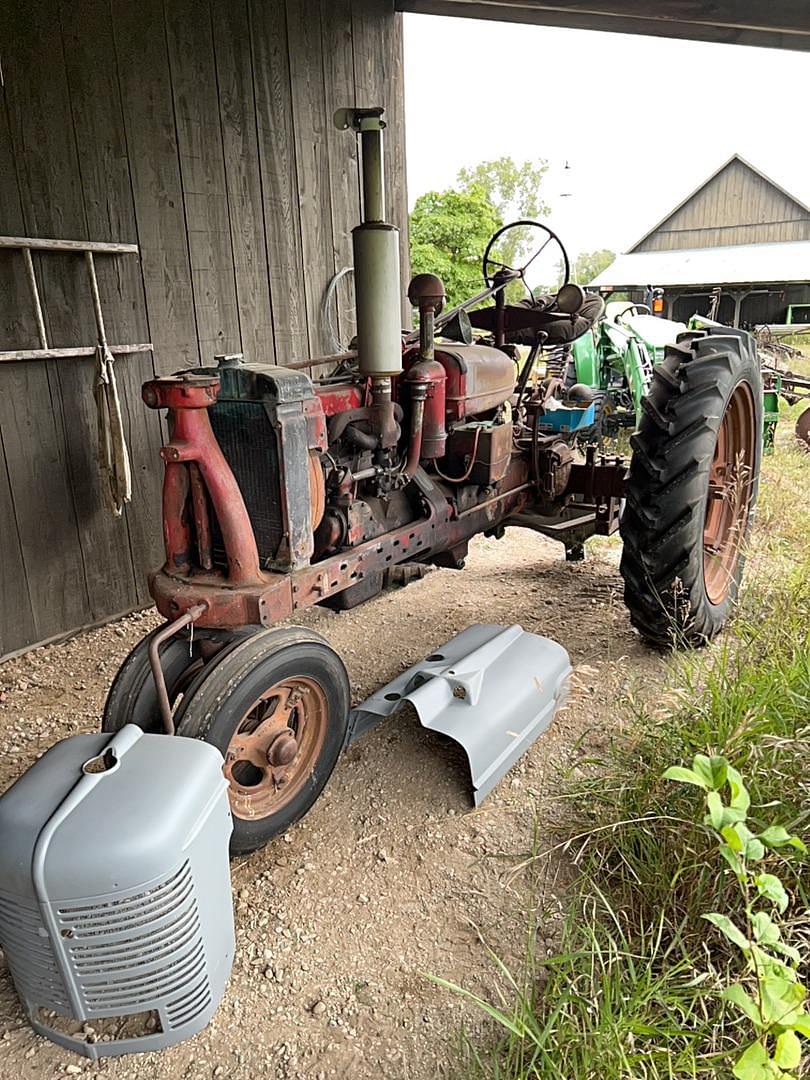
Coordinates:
[310,460]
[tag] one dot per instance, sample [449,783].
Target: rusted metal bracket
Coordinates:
[162,636]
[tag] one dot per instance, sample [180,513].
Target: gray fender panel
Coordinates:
[493,689]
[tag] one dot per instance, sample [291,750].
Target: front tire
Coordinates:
[693,482]
[277,707]
[132,698]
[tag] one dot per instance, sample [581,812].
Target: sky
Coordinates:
[640,121]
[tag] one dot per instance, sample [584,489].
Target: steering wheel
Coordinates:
[633,309]
[490,266]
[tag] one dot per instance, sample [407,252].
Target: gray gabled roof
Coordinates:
[708,180]
[733,264]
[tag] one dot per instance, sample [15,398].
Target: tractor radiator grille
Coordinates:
[30,959]
[248,441]
[129,952]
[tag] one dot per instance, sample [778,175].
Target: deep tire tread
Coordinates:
[662,525]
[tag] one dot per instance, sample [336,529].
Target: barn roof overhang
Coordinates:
[734,264]
[780,24]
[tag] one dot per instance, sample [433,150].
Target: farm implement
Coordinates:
[616,359]
[283,491]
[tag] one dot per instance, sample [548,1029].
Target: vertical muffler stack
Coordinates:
[377,288]
[115,899]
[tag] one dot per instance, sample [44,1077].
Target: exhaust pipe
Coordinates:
[376,261]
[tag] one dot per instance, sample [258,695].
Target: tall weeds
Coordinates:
[633,991]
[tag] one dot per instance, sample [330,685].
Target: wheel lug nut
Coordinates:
[283,749]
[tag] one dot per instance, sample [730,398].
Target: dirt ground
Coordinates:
[392,876]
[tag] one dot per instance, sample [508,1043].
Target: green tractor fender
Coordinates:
[587,362]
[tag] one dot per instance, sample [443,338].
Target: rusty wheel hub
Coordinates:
[275,746]
[731,480]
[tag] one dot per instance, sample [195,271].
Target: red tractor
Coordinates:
[283,491]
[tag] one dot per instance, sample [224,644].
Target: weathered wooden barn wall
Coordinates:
[737,205]
[200,130]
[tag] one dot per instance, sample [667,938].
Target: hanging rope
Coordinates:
[113,456]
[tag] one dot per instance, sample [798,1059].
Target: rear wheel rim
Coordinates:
[275,747]
[731,478]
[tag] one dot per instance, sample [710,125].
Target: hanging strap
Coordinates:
[113,456]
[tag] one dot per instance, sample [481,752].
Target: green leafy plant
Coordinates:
[770,994]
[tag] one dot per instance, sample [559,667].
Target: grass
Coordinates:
[633,990]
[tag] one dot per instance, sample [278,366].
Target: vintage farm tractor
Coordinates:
[283,491]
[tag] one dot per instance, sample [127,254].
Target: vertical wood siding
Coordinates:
[202,131]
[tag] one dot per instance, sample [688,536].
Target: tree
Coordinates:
[588,264]
[449,231]
[514,189]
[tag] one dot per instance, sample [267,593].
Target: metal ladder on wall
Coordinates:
[114,461]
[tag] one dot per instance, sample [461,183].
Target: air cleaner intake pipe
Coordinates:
[418,395]
[427,378]
[426,381]
[376,256]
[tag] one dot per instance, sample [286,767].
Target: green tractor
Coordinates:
[617,356]
[616,359]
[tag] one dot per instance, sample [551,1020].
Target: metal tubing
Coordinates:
[365,474]
[427,349]
[373,174]
[500,319]
[160,637]
[383,413]
[418,395]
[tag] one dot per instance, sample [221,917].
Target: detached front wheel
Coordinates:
[694,475]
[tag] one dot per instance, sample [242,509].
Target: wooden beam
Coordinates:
[781,24]
[78,246]
[12,355]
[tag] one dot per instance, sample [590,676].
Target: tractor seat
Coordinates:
[523,320]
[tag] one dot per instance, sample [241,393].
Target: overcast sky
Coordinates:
[641,121]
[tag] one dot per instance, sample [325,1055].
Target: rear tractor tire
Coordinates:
[802,431]
[692,489]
